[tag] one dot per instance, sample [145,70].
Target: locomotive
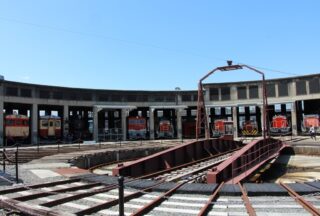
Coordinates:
[250,128]
[222,127]
[50,127]
[137,127]
[309,121]
[16,126]
[165,129]
[280,124]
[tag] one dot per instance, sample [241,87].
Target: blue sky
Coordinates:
[155,45]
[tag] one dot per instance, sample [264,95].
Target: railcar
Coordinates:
[137,127]
[280,125]
[250,128]
[50,127]
[16,126]
[165,129]
[222,127]
[310,121]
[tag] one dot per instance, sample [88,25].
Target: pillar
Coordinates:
[124,113]
[235,122]
[1,122]
[151,123]
[179,123]
[34,124]
[261,119]
[294,119]
[65,120]
[95,124]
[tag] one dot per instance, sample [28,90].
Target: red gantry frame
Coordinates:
[202,120]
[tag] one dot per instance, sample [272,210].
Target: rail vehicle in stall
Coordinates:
[165,129]
[280,125]
[310,121]
[50,127]
[80,128]
[222,127]
[16,127]
[249,128]
[137,127]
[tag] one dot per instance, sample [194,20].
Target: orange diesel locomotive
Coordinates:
[280,124]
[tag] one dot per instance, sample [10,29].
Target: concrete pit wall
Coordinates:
[91,160]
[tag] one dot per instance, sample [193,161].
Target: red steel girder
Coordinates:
[176,156]
[245,161]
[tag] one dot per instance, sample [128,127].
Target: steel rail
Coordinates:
[85,194]
[42,194]
[247,203]
[7,203]
[299,199]
[186,164]
[204,210]
[158,200]
[114,202]
[35,186]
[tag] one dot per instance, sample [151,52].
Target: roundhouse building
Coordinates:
[94,114]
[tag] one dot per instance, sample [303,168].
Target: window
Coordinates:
[288,107]
[9,122]
[25,92]
[214,94]
[225,93]
[44,94]
[301,87]
[283,89]
[271,92]
[193,112]
[253,92]
[186,98]
[228,111]
[217,111]
[242,92]
[51,124]
[277,107]
[11,91]
[252,109]
[314,86]
[242,109]
[44,123]
[58,124]
[160,113]
[242,119]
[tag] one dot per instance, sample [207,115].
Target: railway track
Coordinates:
[163,195]
[76,197]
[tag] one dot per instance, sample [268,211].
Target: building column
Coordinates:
[294,119]
[179,124]
[235,122]
[261,119]
[124,113]
[65,120]
[151,123]
[34,124]
[1,122]
[95,124]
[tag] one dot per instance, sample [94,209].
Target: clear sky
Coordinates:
[155,45]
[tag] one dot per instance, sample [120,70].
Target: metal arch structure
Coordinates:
[202,120]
